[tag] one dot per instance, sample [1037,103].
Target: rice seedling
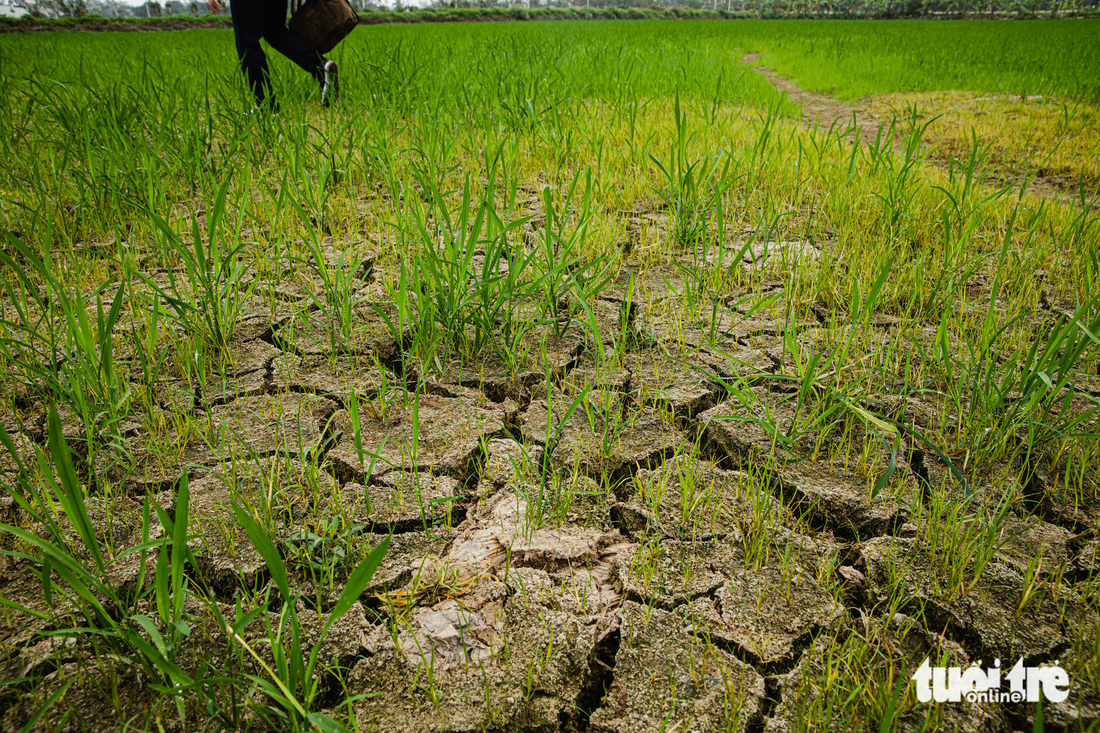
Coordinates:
[690,188]
[59,352]
[292,682]
[151,642]
[215,285]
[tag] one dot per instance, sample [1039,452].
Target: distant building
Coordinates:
[9,9]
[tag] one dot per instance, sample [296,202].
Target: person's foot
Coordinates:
[330,84]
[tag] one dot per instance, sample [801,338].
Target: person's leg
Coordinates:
[294,48]
[248,28]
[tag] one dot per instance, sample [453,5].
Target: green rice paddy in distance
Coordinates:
[854,58]
[470,63]
[112,120]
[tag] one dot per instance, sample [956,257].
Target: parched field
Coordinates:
[565,376]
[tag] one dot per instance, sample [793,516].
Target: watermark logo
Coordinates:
[975,684]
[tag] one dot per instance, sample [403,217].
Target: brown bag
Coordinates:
[323,23]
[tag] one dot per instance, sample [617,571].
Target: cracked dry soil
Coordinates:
[654,566]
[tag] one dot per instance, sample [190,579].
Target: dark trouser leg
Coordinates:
[248,28]
[288,44]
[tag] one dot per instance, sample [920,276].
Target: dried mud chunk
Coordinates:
[261,314]
[581,500]
[762,330]
[155,471]
[24,449]
[507,527]
[531,586]
[833,497]
[601,436]
[924,413]
[674,573]
[761,354]
[683,387]
[21,582]
[1070,512]
[500,381]
[591,589]
[824,340]
[402,500]
[74,430]
[450,634]
[224,551]
[991,612]
[288,423]
[575,430]
[253,355]
[1078,510]
[993,490]
[675,328]
[343,641]
[324,375]
[509,462]
[449,437]
[770,614]
[285,290]
[211,498]
[595,588]
[407,553]
[781,255]
[650,309]
[355,258]
[316,335]
[840,500]
[614,319]
[748,362]
[220,390]
[1030,540]
[643,438]
[1087,557]
[604,370]
[84,706]
[667,678]
[691,498]
[488,667]
[734,427]
[41,657]
[175,396]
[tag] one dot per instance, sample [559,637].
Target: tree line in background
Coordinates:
[473,10]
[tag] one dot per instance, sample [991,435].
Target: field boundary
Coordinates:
[479,15]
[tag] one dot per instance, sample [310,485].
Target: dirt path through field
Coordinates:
[824,110]
[819,109]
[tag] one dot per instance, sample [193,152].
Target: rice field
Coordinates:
[563,376]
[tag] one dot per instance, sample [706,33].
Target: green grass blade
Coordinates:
[267,550]
[72,498]
[46,706]
[357,582]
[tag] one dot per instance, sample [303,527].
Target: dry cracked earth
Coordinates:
[646,564]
